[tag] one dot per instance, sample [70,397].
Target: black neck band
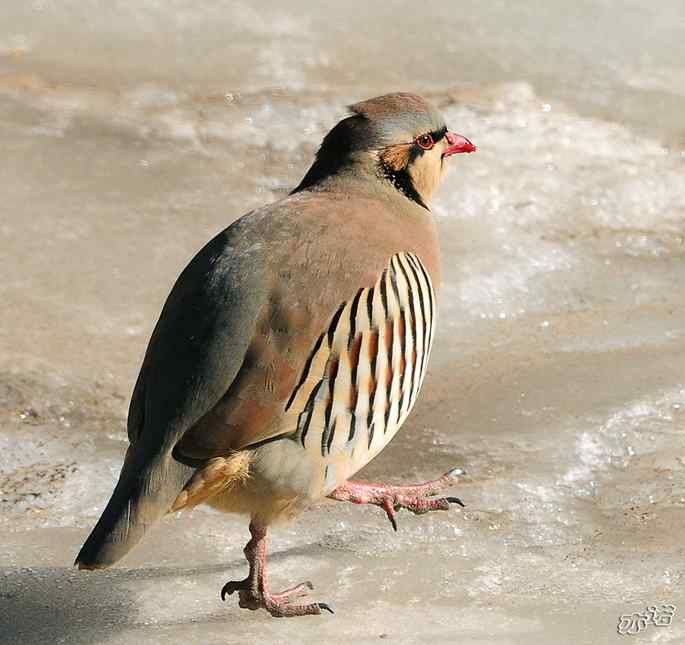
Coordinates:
[401,180]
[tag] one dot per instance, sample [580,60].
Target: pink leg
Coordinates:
[253,592]
[414,497]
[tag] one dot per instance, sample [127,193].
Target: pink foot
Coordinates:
[414,497]
[253,592]
[279,605]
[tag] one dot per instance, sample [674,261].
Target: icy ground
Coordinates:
[557,380]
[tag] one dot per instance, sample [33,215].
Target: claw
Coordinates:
[230,587]
[453,473]
[325,606]
[454,500]
[390,512]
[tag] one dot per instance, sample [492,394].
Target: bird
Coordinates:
[292,348]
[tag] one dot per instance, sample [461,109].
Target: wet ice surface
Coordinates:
[556,381]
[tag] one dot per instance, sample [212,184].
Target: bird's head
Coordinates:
[399,138]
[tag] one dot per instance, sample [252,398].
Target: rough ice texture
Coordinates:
[556,380]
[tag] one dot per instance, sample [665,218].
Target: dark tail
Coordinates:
[144,493]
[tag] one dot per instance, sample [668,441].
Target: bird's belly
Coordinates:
[285,479]
[277,485]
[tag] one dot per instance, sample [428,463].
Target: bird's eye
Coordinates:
[425,141]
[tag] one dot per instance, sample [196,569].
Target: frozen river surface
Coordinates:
[131,135]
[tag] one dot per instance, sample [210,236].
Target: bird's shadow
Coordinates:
[64,605]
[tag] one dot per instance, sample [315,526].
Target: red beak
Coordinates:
[457,144]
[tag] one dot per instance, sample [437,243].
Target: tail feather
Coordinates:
[144,493]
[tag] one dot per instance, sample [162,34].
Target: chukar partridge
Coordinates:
[292,348]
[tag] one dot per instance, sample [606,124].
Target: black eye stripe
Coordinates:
[439,134]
